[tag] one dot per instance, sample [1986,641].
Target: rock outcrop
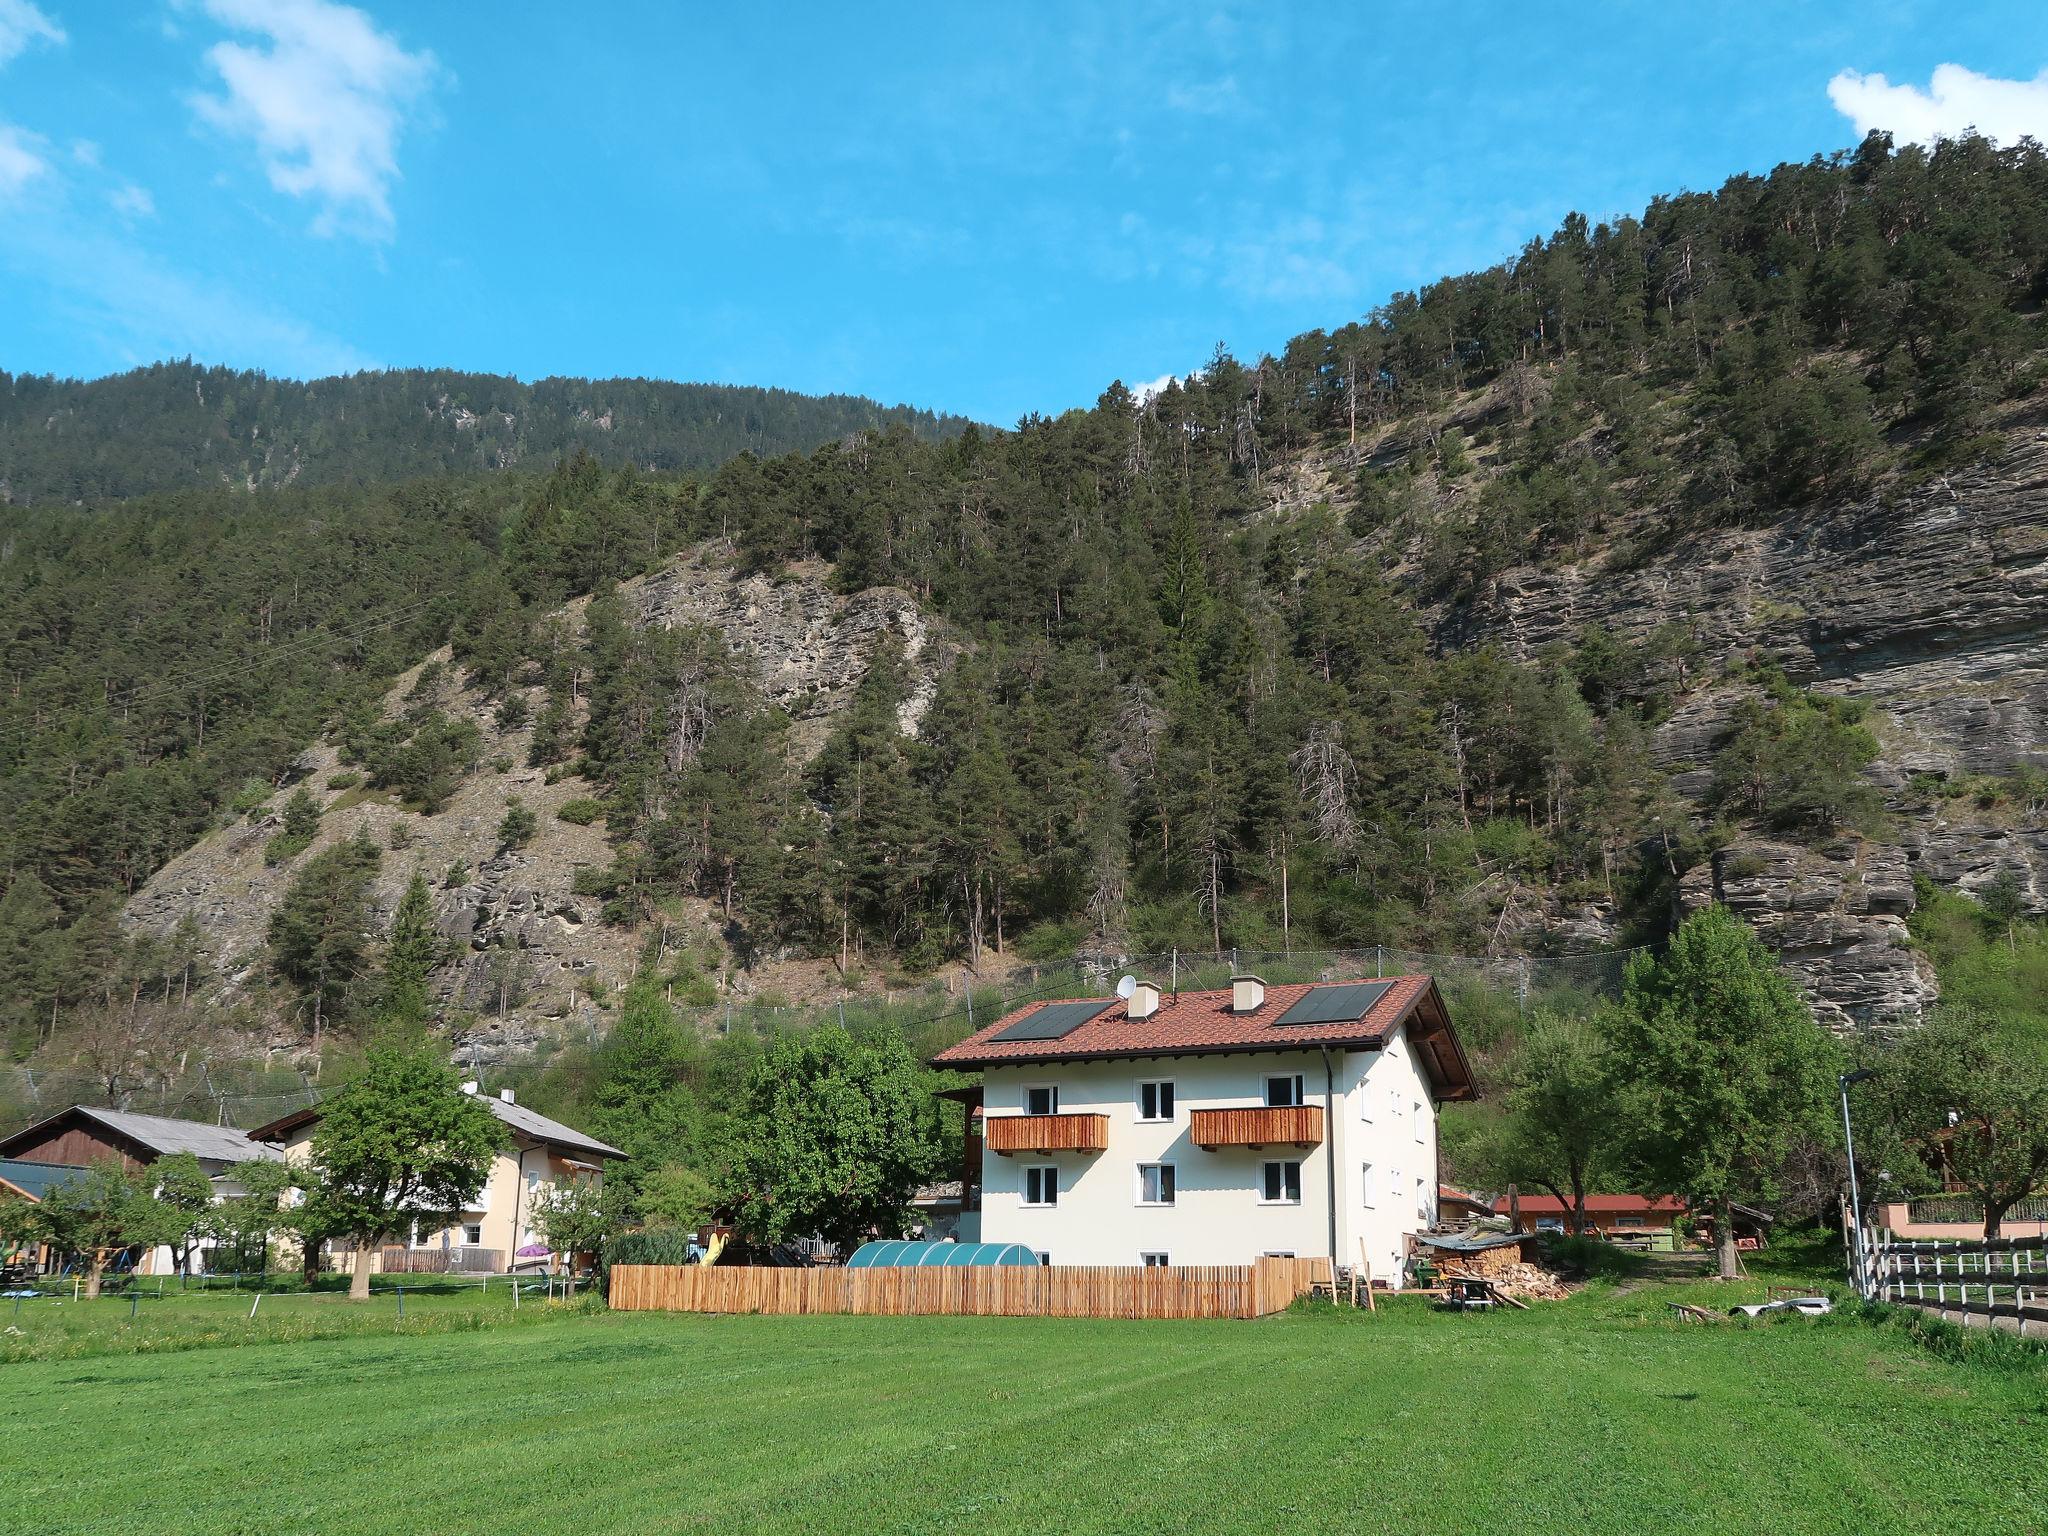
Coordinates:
[530,959]
[1931,606]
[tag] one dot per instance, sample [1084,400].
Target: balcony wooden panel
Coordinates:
[1298,1126]
[1045,1133]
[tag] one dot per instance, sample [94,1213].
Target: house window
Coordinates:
[473,1233]
[1422,1198]
[1365,1182]
[1042,1185]
[1630,1221]
[1044,1259]
[1044,1100]
[1277,1253]
[1365,1101]
[1283,1092]
[1153,1260]
[1283,1184]
[1155,1101]
[1419,1122]
[1155,1183]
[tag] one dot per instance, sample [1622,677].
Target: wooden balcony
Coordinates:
[1299,1126]
[1045,1133]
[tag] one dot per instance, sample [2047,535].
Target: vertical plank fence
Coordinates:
[1186,1291]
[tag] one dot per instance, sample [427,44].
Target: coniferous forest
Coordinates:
[1187,708]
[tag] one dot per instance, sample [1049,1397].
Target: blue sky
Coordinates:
[985,209]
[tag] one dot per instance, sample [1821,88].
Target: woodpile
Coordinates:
[1515,1278]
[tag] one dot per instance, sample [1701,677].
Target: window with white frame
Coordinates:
[1153,1260]
[1042,1099]
[1155,1101]
[1419,1122]
[1365,1183]
[1422,1198]
[1155,1183]
[1282,1183]
[473,1233]
[1283,1092]
[1042,1184]
[1365,1097]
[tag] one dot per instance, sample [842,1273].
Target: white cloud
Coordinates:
[1955,99]
[132,202]
[323,95]
[21,25]
[86,153]
[1149,391]
[21,159]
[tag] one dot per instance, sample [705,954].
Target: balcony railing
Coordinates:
[1300,1125]
[1045,1133]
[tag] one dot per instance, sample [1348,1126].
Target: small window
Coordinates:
[1155,1101]
[1042,1185]
[1153,1260]
[1277,1253]
[1155,1183]
[473,1233]
[1042,1101]
[1629,1221]
[1283,1092]
[1365,1182]
[1283,1183]
[1365,1097]
[1420,1123]
[1044,1259]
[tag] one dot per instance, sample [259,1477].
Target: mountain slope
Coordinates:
[176,425]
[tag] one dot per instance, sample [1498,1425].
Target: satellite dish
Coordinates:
[1125,986]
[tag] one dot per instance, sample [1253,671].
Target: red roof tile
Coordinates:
[1197,1022]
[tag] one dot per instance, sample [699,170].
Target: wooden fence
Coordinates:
[1996,1282]
[1236,1290]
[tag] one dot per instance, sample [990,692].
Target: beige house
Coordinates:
[538,1154]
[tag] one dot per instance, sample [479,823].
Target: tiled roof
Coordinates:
[1196,1022]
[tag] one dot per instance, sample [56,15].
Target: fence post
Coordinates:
[401,1303]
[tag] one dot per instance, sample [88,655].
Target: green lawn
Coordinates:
[155,1321]
[1593,1415]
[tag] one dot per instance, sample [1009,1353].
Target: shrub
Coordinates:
[1051,941]
[580,812]
[519,825]
[346,779]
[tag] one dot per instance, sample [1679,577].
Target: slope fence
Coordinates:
[1998,1282]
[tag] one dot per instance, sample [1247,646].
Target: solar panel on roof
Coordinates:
[1334,1005]
[1053,1021]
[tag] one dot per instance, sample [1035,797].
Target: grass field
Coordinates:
[1593,1415]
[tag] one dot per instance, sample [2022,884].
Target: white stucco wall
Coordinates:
[1219,1215]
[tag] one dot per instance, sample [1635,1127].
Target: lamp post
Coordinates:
[1855,1194]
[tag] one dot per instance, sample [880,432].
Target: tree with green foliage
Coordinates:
[574,1217]
[398,1142]
[100,1213]
[1968,1094]
[1559,1130]
[412,949]
[642,1103]
[181,1187]
[677,1196]
[244,1223]
[1719,1070]
[320,932]
[519,824]
[835,1136]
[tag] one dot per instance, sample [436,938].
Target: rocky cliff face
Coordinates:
[529,958]
[1931,606]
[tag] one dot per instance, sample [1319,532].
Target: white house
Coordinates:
[1213,1127]
[537,1154]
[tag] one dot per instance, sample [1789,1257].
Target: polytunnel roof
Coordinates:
[919,1255]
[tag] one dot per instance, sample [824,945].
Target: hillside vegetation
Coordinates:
[178,426]
[1202,697]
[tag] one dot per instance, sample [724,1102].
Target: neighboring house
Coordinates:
[85,1134]
[1604,1213]
[1215,1126]
[1455,1204]
[539,1154]
[1945,1218]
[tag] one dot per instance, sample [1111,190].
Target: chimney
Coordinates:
[1247,994]
[469,1086]
[1144,1001]
[506,1095]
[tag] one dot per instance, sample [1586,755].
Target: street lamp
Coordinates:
[1862,1074]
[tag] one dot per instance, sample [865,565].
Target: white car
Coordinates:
[1805,1306]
